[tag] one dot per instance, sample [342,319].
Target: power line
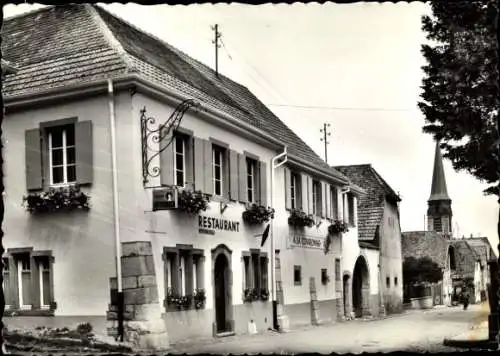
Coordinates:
[337,108]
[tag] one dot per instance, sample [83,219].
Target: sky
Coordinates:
[355,66]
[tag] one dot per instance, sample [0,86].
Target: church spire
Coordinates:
[438,188]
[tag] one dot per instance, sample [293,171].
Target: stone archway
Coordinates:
[361,288]
[222,282]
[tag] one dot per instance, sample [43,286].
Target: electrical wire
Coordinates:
[337,108]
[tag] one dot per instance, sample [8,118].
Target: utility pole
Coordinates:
[324,138]
[217,46]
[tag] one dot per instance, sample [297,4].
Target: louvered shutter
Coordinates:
[33,157]
[242,178]
[189,162]
[304,194]
[310,194]
[328,202]
[167,158]
[84,152]
[199,172]
[263,183]
[233,175]
[323,199]
[340,205]
[288,188]
[208,168]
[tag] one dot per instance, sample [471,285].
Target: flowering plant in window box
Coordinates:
[199,298]
[264,294]
[338,226]
[257,214]
[180,301]
[250,295]
[298,218]
[192,202]
[57,199]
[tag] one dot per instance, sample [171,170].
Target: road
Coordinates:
[415,331]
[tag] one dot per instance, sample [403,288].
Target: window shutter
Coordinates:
[208,169]
[288,193]
[199,174]
[310,193]
[355,210]
[263,183]
[189,161]
[167,159]
[340,205]
[84,152]
[303,190]
[328,203]
[323,199]
[242,175]
[33,159]
[233,175]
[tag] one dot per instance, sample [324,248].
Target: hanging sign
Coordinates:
[165,199]
[304,241]
[209,224]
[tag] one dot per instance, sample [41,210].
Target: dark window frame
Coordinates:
[297,272]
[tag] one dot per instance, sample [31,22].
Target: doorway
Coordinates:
[360,288]
[222,282]
[345,289]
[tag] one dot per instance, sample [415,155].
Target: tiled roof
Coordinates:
[465,258]
[74,43]
[425,243]
[482,247]
[370,205]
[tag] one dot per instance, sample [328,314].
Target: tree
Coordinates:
[420,271]
[461,90]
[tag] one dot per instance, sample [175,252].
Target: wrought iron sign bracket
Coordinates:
[156,138]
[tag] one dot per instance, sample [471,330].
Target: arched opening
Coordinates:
[345,288]
[222,282]
[361,288]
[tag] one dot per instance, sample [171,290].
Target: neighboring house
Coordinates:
[483,249]
[434,245]
[379,227]
[78,68]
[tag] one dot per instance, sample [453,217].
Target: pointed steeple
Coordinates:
[438,189]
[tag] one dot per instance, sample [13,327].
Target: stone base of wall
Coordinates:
[300,314]
[197,324]
[375,305]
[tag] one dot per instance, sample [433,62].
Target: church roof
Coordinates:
[438,188]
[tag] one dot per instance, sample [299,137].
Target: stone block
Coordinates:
[129,282]
[130,308]
[155,326]
[137,266]
[113,283]
[114,315]
[112,331]
[137,248]
[113,307]
[147,311]
[146,295]
[146,281]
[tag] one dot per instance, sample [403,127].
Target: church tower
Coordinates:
[439,204]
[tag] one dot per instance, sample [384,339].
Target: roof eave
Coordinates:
[308,167]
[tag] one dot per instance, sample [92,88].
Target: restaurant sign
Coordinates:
[209,224]
[305,241]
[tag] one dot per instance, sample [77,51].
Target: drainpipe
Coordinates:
[273,250]
[116,212]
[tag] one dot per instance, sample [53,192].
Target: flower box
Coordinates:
[298,218]
[57,199]
[192,202]
[257,214]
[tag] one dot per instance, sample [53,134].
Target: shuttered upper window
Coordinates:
[218,170]
[251,179]
[59,152]
[180,160]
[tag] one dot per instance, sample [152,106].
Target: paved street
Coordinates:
[413,331]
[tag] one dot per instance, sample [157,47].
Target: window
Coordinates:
[294,190]
[351,207]
[316,198]
[62,157]
[184,277]
[297,275]
[255,271]
[437,224]
[218,170]
[334,202]
[180,160]
[28,284]
[387,282]
[324,276]
[251,179]
[395,281]
[337,269]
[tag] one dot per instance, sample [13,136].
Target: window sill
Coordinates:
[28,312]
